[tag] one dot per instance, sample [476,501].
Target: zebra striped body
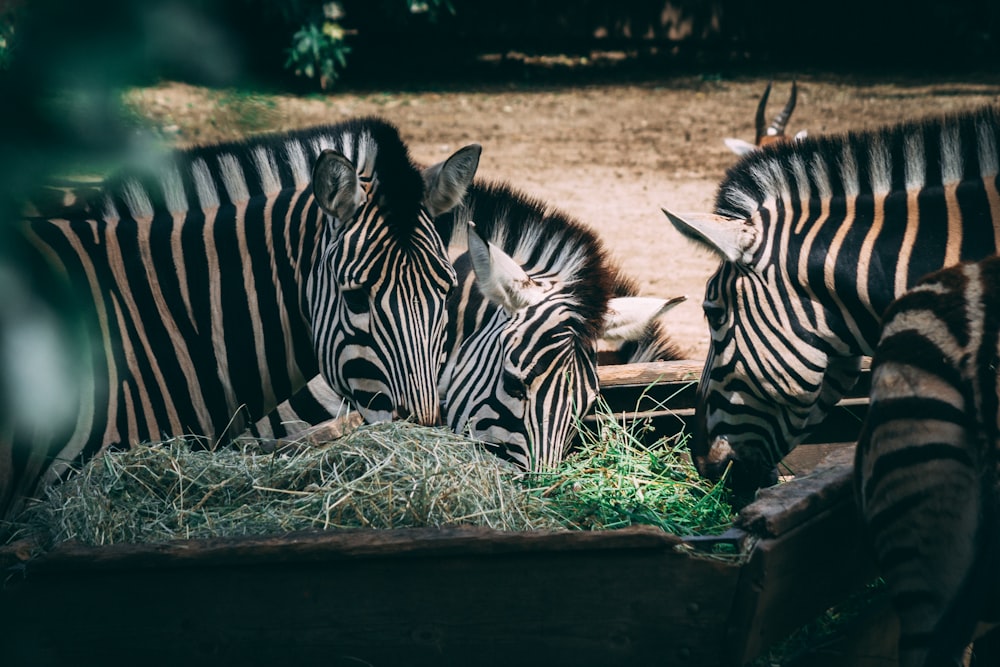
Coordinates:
[218,284]
[817,238]
[535,288]
[926,463]
[519,375]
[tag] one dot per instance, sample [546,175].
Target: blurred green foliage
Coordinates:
[318,52]
[318,41]
[320,45]
[316,34]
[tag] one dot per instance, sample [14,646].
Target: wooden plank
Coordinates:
[453,595]
[682,371]
[630,597]
[804,460]
[842,425]
[648,373]
[644,397]
[665,393]
[779,509]
[810,555]
[335,545]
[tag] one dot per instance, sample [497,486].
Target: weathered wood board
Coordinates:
[665,392]
[448,596]
[457,596]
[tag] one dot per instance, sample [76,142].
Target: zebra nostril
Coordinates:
[401,413]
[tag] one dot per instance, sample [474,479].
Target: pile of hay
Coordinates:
[380,476]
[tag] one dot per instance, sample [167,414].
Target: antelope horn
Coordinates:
[761,106]
[782,118]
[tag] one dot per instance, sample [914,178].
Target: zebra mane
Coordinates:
[905,157]
[237,171]
[544,241]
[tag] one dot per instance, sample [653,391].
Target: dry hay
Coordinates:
[379,476]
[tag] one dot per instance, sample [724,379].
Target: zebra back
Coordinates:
[926,462]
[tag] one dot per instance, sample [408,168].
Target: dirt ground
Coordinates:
[610,155]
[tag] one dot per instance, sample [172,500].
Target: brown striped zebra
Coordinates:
[217,284]
[927,460]
[816,238]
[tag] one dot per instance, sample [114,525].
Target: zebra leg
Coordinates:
[920,496]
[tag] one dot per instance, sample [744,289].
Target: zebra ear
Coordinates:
[628,316]
[500,278]
[335,185]
[730,237]
[446,183]
[739,146]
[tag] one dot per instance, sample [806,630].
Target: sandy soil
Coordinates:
[610,155]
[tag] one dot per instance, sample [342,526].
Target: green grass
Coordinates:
[614,480]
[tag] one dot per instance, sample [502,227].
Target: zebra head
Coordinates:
[769,376]
[767,134]
[380,286]
[522,379]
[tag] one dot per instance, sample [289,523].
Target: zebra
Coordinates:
[521,364]
[536,294]
[218,283]
[817,238]
[768,134]
[926,462]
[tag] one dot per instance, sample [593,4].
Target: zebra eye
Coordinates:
[514,386]
[356,300]
[715,314]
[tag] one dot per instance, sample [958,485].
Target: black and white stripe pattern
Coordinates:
[518,377]
[926,464]
[218,283]
[521,370]
[817,238]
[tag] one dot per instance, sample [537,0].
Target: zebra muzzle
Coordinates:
[713,465]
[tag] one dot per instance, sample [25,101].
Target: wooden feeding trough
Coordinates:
[456,596]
